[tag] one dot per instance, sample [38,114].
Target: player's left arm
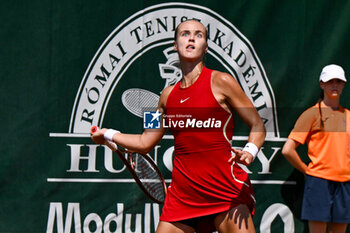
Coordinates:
[231,97]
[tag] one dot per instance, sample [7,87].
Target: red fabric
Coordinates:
[203,182]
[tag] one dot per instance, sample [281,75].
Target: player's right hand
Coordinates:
[98,136]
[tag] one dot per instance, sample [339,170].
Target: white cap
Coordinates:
[332,72]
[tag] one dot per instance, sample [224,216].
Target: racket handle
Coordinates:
[93,129]
[108,143]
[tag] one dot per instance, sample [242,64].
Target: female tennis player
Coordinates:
[209,190]
[325,127]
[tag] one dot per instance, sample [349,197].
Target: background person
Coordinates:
[325,127]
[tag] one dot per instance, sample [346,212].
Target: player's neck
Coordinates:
[191,73]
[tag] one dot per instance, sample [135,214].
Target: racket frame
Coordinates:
[121,154]
[128,165]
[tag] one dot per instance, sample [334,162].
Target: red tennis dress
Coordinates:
[203,181]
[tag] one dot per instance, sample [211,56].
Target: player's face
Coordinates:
[191,42]
[333,88]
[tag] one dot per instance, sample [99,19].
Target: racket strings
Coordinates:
[137,101]
[148,176]
[140,100]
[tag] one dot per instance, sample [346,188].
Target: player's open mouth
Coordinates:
[190,47]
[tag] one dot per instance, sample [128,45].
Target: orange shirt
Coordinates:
[328,147]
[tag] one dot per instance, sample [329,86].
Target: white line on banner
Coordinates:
[89,180]
[86,135]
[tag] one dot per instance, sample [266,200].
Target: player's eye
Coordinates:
[185,34]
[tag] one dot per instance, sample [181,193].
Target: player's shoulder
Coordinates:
[222,78]
[165,94]
[167,90]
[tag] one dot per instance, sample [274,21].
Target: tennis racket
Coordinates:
[143,169]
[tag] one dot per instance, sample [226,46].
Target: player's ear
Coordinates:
[175,46]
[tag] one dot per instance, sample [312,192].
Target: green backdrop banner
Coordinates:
[69,65]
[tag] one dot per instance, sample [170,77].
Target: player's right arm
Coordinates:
[141,143]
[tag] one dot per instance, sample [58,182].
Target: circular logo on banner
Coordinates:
[154,28]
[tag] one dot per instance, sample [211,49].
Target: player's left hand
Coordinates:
[242,157]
